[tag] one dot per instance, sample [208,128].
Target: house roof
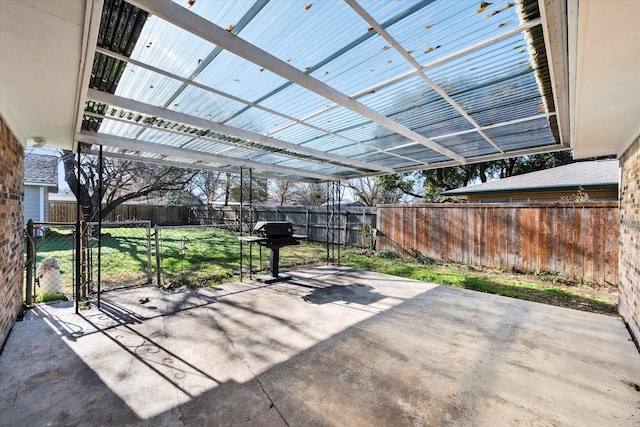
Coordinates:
[41,170]
[592,174]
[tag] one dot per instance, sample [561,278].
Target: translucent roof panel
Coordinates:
[239,77]
[300,134]
[469,144]
[258,120]
[291,31]
[146,86]
[312,90]
[201,103]
[533,133]
[439,31]
[337,119]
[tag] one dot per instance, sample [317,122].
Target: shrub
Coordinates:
[387,255]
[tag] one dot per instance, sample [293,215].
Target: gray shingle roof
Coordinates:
[598,173]
[41,169]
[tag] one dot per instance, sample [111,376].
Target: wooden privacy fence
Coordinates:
[575,240]
[351,225]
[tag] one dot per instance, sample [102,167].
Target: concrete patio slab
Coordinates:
[335,346]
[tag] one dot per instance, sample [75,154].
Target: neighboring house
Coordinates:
[40,178]
[598,179]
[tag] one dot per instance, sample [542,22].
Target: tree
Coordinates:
[256,191]
[310,194]
[435,181]
[123,181]
[207,185]
[284,189]
[370,192]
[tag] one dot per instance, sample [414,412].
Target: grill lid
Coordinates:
[272,229]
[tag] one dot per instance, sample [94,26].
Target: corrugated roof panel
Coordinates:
[372,61]
[331,43]
[338,119]
[389,141]
[518,136]
[295,33]
[383,11]
[397,162]
[201,103]
[426,156]
[468,145]
[493,63]
[207,146]
[165,46]
[328,143]
[146,86]
[296,101]
[440,119]
[494,84]
[239,77]
[352,150]
[447,27]
[414,104]
[299,134]
[220,12]
[365,131]
[166,138]
[116,128]
[378,157]
[313,167]
[269,159]
[399,96]
[257,120]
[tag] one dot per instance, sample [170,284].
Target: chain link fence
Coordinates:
[49,261]
[121,257]
[131,253]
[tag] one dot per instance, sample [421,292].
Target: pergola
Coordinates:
[318,91]
[322,91]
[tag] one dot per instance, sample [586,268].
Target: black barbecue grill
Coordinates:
[274,235]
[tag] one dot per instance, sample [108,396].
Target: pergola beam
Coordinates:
[465,51]
[140,107]
[167,150]
[407,56]
[197,165]
[468,131]
[206,30]
[293,120]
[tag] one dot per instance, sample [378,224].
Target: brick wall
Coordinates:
[629,267]
[11,224]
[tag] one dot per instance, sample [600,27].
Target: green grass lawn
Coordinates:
[521,286]
[212,256]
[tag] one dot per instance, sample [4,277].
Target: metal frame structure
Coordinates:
[500,105]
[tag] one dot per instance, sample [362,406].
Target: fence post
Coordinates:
[30,262]
[307,221]
[158,270]
[149,274]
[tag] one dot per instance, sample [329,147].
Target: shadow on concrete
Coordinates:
[258,355]
[355,293]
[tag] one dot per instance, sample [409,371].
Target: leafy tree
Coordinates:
[538,162]
[256,191]
[435,181]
